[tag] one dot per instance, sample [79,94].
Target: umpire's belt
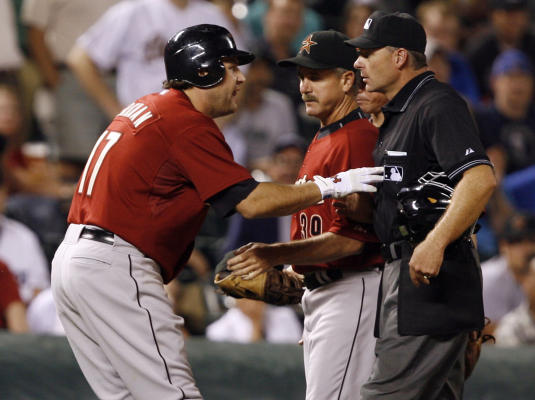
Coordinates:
[395,250]
[322,277]
[98,235]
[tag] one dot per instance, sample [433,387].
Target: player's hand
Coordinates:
[251,260]
[350,181]
[426,261]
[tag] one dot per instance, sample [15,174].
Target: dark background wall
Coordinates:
[43,367]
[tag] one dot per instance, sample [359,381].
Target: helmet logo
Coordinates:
[393,173]
[306,44]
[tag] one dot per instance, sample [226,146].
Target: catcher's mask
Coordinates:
[194,55]
[421,206]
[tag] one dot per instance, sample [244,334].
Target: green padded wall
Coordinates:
[43,367]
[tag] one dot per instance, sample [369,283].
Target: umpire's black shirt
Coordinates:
[428,127]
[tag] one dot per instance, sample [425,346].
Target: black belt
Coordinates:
[316,279]
[395,250]
[98,235]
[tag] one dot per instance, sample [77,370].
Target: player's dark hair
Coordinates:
[176,84]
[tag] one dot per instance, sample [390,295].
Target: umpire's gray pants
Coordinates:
[412,367]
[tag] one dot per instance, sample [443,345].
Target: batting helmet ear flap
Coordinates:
[194,55]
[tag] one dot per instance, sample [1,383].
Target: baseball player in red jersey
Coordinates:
[141,200]
[339,259]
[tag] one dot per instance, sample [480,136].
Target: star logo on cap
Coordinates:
[306,44]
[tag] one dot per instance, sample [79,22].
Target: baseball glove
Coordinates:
[473,349]
[273,286]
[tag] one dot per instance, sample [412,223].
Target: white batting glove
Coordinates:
[350,181]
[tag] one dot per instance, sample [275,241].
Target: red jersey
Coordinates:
[340,146]
[150,174]
[9,292]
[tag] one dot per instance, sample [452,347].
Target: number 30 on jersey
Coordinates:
[111,137]
[310,227]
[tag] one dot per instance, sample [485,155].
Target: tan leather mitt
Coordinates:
[273,286]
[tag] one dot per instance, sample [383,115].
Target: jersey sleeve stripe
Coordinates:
[468,165]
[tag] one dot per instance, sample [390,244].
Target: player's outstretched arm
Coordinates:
[254,258]
[272,200]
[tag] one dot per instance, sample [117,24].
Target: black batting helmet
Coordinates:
[194,55]
[422,205]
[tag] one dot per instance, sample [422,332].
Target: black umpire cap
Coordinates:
[397,30]
[323,50]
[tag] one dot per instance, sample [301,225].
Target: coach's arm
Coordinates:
[255,258]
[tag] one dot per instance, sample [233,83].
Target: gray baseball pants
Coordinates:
[413,367]
[338,341]
[118,320]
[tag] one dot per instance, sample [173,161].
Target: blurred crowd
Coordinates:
[68,66]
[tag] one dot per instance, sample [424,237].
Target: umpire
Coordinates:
[431,288]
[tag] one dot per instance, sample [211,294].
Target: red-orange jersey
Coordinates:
[150,174]
[343,145]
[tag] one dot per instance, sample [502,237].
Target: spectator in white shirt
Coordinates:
[252,321]
[501,274]
[108,45]
[21,251]
[75,121]
[518,326]
[42,315]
